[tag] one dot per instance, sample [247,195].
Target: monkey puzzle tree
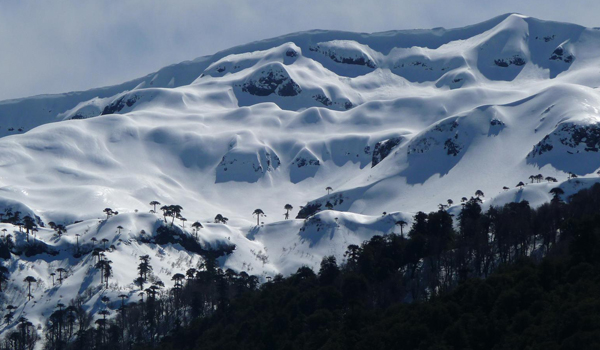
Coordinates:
[166,212]
[144,266]
[175,211]
[556,193]
[139,282]
[29,224]
[479,194]
[401,223]
[287,208]
[108,212]
[154,204]
[60,271]
[258,213]
[197,226]
[60,229]
[328,189]
[29,280]
[119,228]
[221,219]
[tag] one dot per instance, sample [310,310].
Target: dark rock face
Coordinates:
[572,136]
[302,162]
[272,82]
[359,61]
[496,122]
[383,149]
[516,60]
[291,53]
[559,55]
[119,104]
[452,147]
[323,99]
[309,210]
[316,206]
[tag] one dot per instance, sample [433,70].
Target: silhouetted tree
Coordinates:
[175,211]
[60,271]
[108,212]
[221,219]
[197,226]
[287,208]
[154,204]
[139,282]
[29,280]
[29,224]
[328,189]
[402,224]
[258,213]
[557,192]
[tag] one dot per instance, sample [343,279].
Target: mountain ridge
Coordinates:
[355,138]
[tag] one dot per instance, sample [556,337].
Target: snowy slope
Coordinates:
[394,122]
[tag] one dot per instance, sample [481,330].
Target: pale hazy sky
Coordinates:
[59,46]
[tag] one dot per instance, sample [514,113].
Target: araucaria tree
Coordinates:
[220,219]
[29,224]
[175,211]
[144,267]
[287,208]
[401,223]
[29,280]
[258,213]
[197,226]
[154,204]
[108,212]
[328,189]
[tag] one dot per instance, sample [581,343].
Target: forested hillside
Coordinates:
[512,277]
[527,303]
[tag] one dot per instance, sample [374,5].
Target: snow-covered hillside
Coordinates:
[394,123]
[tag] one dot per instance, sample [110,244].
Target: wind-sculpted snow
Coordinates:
[353,131]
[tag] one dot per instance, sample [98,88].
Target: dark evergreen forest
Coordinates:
[512,277]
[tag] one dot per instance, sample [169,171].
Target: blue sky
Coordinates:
[59,46]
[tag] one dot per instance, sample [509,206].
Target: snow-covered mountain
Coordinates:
[394,122]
